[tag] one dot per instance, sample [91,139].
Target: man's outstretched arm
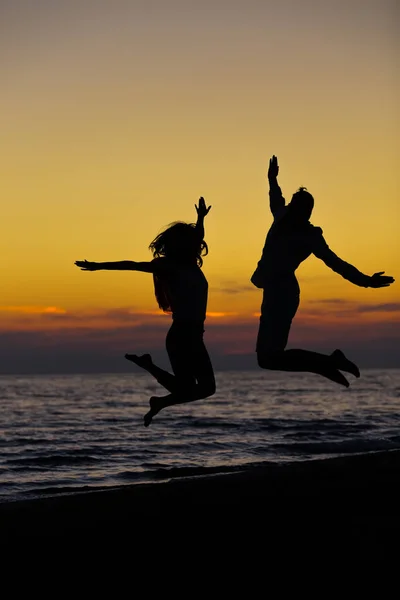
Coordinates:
[322,251]
[276,200]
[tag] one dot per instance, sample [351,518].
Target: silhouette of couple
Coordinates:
[181,289]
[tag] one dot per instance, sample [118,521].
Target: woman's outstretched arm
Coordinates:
[124,265]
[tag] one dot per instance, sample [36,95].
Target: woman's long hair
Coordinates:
[180,244]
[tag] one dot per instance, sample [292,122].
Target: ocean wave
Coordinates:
[55,460]
[353,446]
[42,395]
[216,423]
[196,471]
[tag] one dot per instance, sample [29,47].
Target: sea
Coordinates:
[63,434]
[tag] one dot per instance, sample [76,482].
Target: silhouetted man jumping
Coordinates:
[290,240]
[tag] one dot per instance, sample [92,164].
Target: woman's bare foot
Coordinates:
[156,405]
[143,361]
[344,364]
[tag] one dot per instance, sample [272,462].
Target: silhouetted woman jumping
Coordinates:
[290,240]
[180,288]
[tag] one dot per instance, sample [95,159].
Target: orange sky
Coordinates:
[115,118]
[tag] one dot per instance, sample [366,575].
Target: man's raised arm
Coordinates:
[276,200]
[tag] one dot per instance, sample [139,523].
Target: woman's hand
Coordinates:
[202,209]
[85,265]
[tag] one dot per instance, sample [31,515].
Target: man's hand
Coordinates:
[379,280]
[85,265]
[273,168]
[202,210]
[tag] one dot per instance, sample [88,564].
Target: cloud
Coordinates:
[42,318]
[385,307]
[339,307]
[33,310]
[231,287]
[329,301]
[221,315]
[240,289]
[351,305]
[48,318]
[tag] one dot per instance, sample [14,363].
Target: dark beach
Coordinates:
[348,505]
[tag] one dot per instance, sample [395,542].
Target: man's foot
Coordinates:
[148,417]
[337,377]
[155,407]
[344,364]
[143,361]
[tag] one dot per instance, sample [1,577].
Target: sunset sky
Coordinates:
[115,116]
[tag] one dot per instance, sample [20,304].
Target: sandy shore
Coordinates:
[349,505]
